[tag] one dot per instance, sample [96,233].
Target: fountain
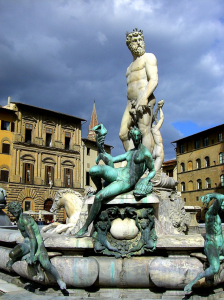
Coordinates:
[133,237]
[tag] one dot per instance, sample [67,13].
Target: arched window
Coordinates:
[208,183]
[198,163]
[222,180]
[221,158]
[190,185]
[182,167]
[207,162]
[199,184]
[190,166]
[182,186]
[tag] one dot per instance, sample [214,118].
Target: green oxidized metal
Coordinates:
[119,180]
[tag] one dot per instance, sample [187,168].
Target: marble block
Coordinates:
[58,242]
[127,198]
[174,273]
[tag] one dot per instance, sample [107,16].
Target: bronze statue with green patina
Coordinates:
[102,227]
[145,222]
[214,245]
[120,180]
[32,249]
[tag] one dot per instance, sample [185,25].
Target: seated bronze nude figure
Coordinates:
[119,180]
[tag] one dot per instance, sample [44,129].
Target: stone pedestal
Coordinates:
[128,199]
[193,210]
[80,268]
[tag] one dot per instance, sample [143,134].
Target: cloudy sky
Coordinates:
[63,54]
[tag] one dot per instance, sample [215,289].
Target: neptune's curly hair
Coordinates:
[134,33]
[14,206]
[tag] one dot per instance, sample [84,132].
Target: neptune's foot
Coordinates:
[82,231]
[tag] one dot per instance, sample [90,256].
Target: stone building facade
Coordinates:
[7,118]
[200,165]
[169,167]
[45,156]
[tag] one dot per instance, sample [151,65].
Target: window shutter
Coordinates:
[32,174]
[64,177]
[46,183]
[24,173]
[52,174]
[71,172]
[12,127]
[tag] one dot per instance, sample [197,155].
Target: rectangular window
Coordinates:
[48,139]
[169,173]
[29,126]
[4,175]
[88,151]
[220,137]
[87,178]
[68,178]
[28,173]
[49,175]
[5,125]
[222,180]
[27,205]
[12,127]
[221,157]
[49,132]
[68,134]
[67,143]
[28,133]
[197,144]
[67,140]
[206,141]
[5,148]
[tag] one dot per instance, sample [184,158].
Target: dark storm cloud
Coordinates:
[62,55]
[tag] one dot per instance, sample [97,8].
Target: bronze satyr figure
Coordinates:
[214,246]
[32,249]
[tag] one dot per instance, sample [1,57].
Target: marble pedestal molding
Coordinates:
[170,266]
